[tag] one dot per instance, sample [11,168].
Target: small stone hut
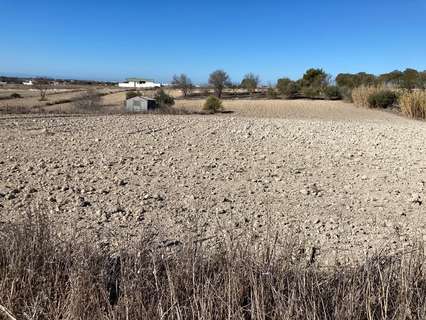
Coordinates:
[140,104]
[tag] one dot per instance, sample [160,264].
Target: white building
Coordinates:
[139,83]
[28,83]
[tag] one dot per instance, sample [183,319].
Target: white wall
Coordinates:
[136,105]
[133,84]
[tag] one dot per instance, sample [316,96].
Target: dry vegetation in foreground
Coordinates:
[42,277]
[413,104]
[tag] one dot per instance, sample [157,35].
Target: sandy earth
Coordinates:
[31,98]
[349,181]
[292,109]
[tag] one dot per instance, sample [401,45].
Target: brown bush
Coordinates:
[361,95]
[44,277]
[413,103]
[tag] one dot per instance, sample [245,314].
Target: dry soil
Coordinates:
[347,181]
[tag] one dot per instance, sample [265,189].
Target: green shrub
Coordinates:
[293,90]
[382,99]
[315,78]
[271,93]
[250,82]
[310,92]
[132,94]
[282,84]
[15,95]
[163,99]
[333,93]
[288,87]
[213,104]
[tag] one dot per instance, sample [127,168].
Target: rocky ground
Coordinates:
[347,187]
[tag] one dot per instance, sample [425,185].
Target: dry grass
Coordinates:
[413,103]
[43,277]
[361,94]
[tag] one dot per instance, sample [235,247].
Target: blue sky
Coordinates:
[112,40]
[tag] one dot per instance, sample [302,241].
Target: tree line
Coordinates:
[315,83]
[219,80]
[407,79]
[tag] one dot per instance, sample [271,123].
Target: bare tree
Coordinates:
[42,85]
[250,82]
[219,79]
[183,83]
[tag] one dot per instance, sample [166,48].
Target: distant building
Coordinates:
[3,83]
[28,83]
[140,104]
[139,83]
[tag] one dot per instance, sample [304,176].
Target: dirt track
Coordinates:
[347,186]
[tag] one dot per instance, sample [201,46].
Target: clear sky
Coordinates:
[113,40]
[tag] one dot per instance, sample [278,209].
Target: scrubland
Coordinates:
[411,103]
